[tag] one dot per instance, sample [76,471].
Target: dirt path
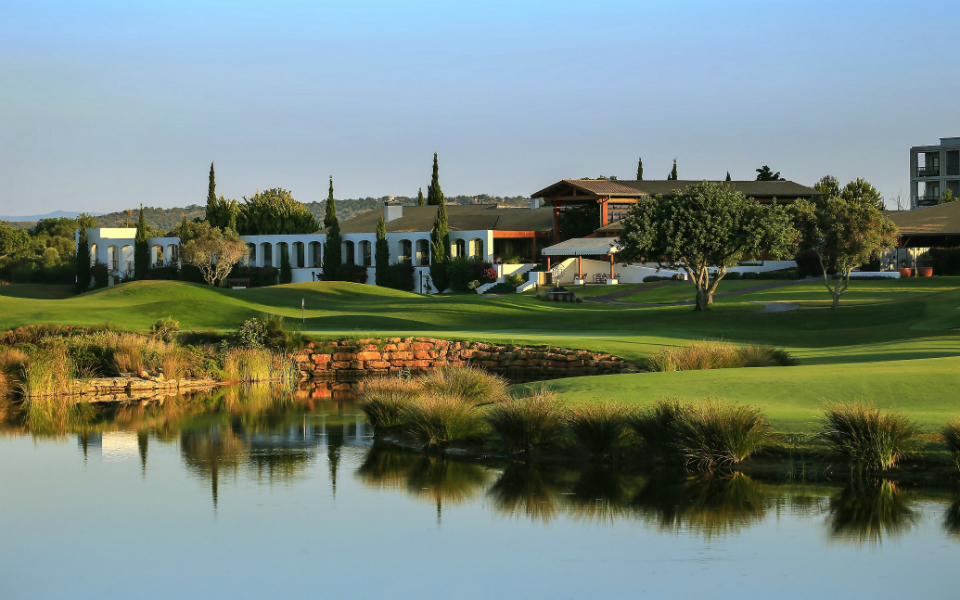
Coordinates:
[612,298]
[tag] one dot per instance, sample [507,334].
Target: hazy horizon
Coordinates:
[107,105]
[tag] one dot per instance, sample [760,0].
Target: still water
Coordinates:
[250,495]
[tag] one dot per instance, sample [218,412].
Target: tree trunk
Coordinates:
[704,299]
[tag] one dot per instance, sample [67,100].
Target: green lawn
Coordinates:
[926,389]
[885,350]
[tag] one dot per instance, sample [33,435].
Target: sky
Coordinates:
[107,105]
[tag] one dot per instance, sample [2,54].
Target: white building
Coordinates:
[482,231]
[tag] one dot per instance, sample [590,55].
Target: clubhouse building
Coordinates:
[515,240]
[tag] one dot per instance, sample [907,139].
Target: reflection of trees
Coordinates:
[601,493]
[868,509]
[951,520]
[211,450]
[711,506]
[528,489]
[434,478]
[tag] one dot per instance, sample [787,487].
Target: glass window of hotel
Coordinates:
[476,249]
[406,252]
[459,249]
[423,253]
[349,257]
[366,256]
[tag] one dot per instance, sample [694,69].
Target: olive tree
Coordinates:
[213,251]
[704,230]
[844,232]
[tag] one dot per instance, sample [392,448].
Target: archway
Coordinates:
[366,256]
[460,249]
[316,254]
[423,253]
[349,253]
[298,258]
[476,248]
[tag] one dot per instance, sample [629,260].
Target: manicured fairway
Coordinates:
[928,390]
[888,349]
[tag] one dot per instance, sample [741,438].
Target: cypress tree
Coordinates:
[330,216]
[440,246]
[673,171]
[420,197]
[382,254]
[332,251]
[728,176]
[213,214]
[640,169]
[141,253]
[286,275]
[434,194]
[83,259]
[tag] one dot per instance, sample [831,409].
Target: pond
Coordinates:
[256,495]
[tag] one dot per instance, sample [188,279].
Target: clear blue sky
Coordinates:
[104,105]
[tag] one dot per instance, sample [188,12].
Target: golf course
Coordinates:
[893,343]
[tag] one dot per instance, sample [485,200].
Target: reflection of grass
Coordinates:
[528,490]
[56,416]
[443,480]
[951,435]
[602,494]
[712,506]
[951,520]
[385,467]
[868,509]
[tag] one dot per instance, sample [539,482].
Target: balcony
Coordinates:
[928,171]
[953,169]
[928,200]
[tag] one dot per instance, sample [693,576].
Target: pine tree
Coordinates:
[440,247]
[330,216]
[184,231]
[640,169]
[213,214]
[673,172]
[420,197]
[286,275]
[332,250]
[382,254]
[83,260]
[141,252]
[434,194]
[728,176]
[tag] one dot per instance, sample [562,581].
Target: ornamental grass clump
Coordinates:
[656,426]
[467,382]
[48,371]
[717,355]
[711,435]
[872,439]
[248,364]
[12,361]
[528,423]
[600,427]
[951,435]
[438,421]
[382,400]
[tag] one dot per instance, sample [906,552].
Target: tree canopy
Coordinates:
[765,174]
[434,193]
[859,191]
[704,226]
[213,251]
[272,212]
[845,234]
[332,247]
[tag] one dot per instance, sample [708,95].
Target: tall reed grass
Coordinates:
[656,426]
[717,355]
[872,439]
[951,436]
[48,371]
[528,423]
[248,364]
[437,421]
[600,427]
[382,400]
[710,434]
[467,382]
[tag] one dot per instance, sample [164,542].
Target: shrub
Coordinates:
[599,427]
[870,438]
[717,355]
[514,280]
[655,278]
[165,329]
[398,277]
[460,272]
[945,261]
[710,434]
[382,400]
[656,425]
[437,421]
[808,264]
[352,273]
[470,383]
[524,424]
[258,276]
[951,435]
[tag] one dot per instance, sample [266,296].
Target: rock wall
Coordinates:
[352,360]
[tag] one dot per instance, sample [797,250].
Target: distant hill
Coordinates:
[168,218]
[34,218]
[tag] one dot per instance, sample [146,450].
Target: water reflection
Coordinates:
[869,509]
[261,435]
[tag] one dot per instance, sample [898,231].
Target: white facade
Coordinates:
[114,247]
